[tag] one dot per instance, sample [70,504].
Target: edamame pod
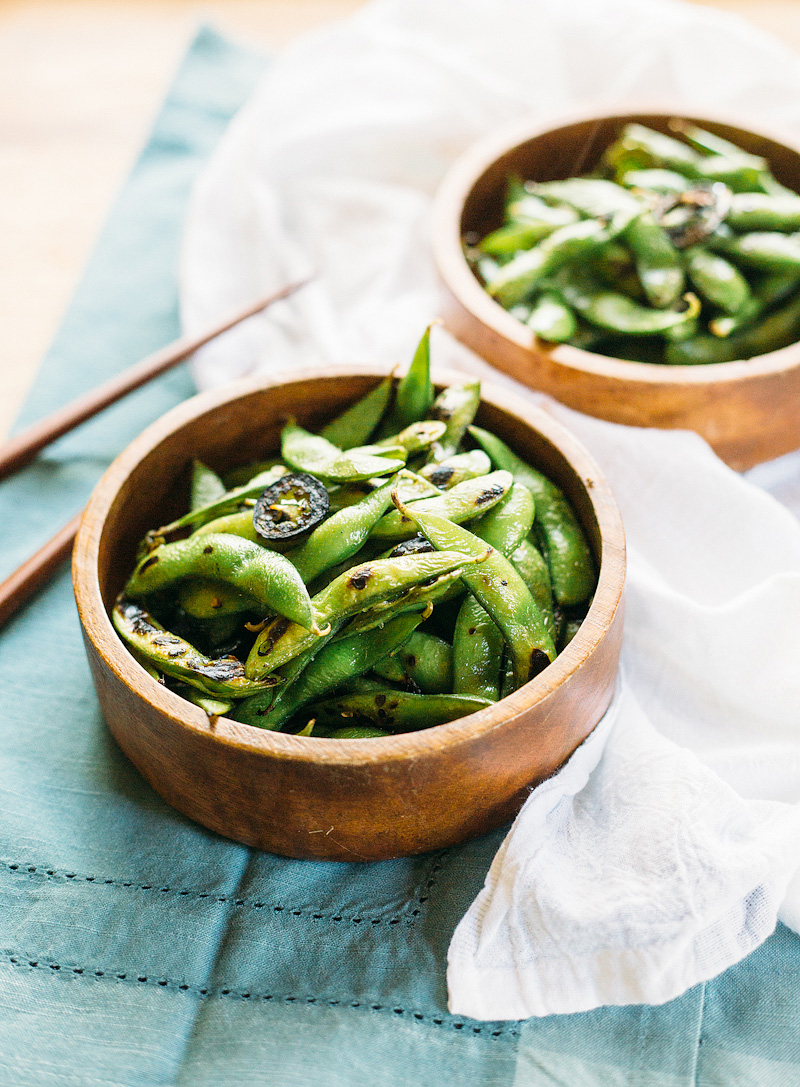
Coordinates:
[266,576]
[314,454]
[356,425]
[461,503]
[414,394]
[751,211]
[205,599]
[776,330]
[532,568]
[517,279]
[591,196]
[477,652]
[331,667]
[717,280]
[657,262]
[226,503]
[453,470]
[507,524]
[175,657]
[769,251]
[616,312]
[357,589]
[424,660]
[455,408]
[206,486]
[400,711]
[568,556]
[502,592]
[552,319]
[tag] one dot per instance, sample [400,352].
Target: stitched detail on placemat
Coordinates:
[21,961]
[407,914]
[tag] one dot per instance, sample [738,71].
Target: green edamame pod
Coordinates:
[175,657]
[616,312]
[717,280]
[266,576]
[552,319]
[656,180]
[769,251]
[424,660]
[335,663]
[768,291]
[532,568]
[422,597]
[358,732]
[751,211]
[212,707]
[204,599]
[646,148]
[206,486]
[776,330]
[507,524]
[461,503]
[455,408]
[356,425]
[453,470]
[343,534]
[511,237]
[591,196]
[416,437]
[657,262]
[314,454]
[239,524]
[533,211]
[499,588]
[359,588]
[414,394]
[568,555]
[400,711]
[477,652]
[520,276]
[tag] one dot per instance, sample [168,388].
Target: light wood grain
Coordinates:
[335,799]
[748,410]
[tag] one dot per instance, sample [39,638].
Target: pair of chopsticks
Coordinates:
[33,574]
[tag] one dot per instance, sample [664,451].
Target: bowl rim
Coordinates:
[99,630]
[457,186]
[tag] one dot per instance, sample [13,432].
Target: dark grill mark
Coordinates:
[495,491]
[208,550]
[441,477]
[274,632]
[380,699]
[539,661]
[359,579]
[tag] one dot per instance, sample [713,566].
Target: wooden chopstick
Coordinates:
[33,574]
[19,450]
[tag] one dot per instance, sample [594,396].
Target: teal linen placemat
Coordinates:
[138,949]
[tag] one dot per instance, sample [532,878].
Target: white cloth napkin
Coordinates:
[662,852]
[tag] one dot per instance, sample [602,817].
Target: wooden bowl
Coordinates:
[336,799]
[748,411]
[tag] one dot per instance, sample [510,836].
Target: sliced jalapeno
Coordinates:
[292,506]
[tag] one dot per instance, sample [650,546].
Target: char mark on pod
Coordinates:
[359,579]
[539,661]
[441,477]
[489,494]
[275,631]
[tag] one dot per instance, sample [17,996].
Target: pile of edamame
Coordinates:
[679,249]
[398,570]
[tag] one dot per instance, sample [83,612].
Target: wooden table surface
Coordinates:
[80,81]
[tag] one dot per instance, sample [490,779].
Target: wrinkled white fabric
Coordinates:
[662,852]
